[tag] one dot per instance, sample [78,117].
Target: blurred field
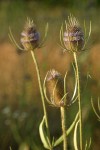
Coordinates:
[20,101]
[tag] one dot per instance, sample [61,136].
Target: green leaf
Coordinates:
[43,134]
[60,139]
[98,116]
[88,145]
[73,99]
[65,93]
[44,89]
[45,35]
[89,34]
[11,37]
[75,136]
[10,148]
[98,103]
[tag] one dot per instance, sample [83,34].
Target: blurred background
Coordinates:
[20,103]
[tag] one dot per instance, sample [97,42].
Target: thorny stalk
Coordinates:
[63,120]
[79,99]
[41,92]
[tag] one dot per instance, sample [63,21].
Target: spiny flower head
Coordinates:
[55,86]
[30,36]
[73,36]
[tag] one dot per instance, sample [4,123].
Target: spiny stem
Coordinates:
[79,99]
[63,121]
[41,92]
[40,85]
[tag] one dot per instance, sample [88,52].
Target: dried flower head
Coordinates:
[55,86]
[30,36]
[73,37]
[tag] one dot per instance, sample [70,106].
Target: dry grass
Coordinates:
[17,70]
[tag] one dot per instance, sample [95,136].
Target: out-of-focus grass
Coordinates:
[18,83]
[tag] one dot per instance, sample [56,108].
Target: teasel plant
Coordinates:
[74,40]
[55,86]
[30,40]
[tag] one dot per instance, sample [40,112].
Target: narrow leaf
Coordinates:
[45,35]
[60,139]
[99,104]
[89,143]
[65,84]
[44,89]
[13,40]
[75,136]
[75,88]
[94,109]
[10,148]
[43,134]
[86,145]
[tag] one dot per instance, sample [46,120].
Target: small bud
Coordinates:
[73,36]
[30,36]
[55,86]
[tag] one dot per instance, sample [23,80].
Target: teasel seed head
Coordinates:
[30,36]
[73,37]
[55,86]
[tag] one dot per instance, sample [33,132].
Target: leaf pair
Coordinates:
[87,145]
[44,136]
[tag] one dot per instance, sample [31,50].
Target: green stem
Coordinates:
[79,99]
[41,92]
[63,119]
